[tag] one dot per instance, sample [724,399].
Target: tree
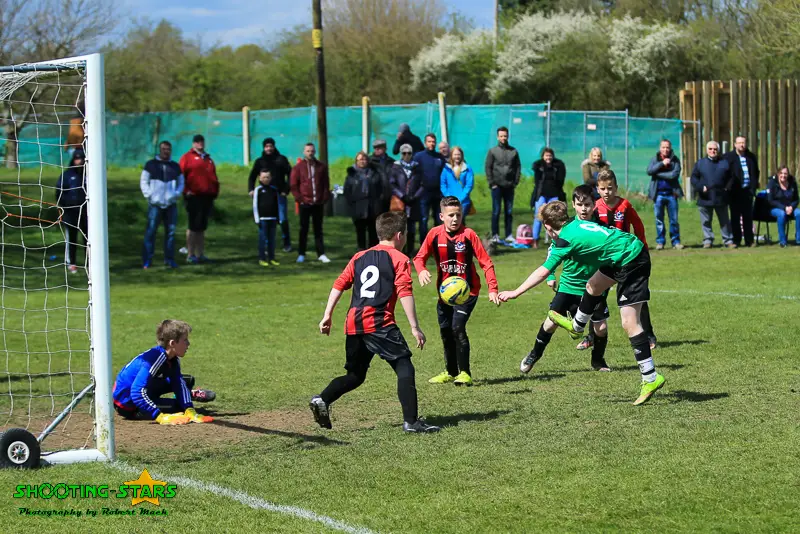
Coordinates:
[144,71]
[38,30]
[459,65]
[369,44]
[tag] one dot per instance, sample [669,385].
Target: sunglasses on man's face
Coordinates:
[406,153]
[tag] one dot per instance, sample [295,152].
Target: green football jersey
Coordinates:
[591,246]
[574,275]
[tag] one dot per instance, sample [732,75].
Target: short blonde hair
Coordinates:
[554,214]
[172,330]
[607,175]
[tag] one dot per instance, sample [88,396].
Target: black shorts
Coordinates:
[388,343]
[564,303]
[632,280]
[198,207]
[455,316]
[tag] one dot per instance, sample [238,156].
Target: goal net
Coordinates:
[55,373]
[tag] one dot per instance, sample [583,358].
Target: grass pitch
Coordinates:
[561,449]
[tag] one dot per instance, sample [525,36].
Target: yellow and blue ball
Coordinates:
[454,291]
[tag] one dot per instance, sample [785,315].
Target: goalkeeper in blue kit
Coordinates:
[617,257]
[156,372]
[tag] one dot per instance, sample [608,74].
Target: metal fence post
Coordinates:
[547,135]
[627,141]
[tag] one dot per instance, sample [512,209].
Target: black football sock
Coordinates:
[341,385]
[641,350]
[599,350]
[645,318]
[406,388]
[586,308]
[542,339]
[450,357]
[462,349]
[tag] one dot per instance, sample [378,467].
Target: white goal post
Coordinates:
[55,326]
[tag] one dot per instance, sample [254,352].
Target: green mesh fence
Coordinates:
[132,138]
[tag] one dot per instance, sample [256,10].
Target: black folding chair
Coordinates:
[761,213]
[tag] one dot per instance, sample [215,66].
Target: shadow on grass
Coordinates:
[667,344]
[320,440]
[454,420]
[544,377]
[682,395]
[670,366]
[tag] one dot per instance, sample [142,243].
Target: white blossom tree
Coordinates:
[527,43]
[460,65]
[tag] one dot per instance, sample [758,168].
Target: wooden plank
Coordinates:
[752,116]
[723,115]
[783,125]
[735,108]
[795,128]
[744,108]
[773,125]
[763,129]
[790,132]
[706,126]
[698,128]
[715,104]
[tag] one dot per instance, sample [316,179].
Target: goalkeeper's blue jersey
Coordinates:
[130,388]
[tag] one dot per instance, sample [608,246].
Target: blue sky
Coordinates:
[237,22]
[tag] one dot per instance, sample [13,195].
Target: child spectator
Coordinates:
[379,277]
[71,197]
[266,211]
[156,372]
[454,246]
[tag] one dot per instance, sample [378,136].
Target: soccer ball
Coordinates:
[454,291]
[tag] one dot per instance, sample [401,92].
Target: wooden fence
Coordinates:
[763,111]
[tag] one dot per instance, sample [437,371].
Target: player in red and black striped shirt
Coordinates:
[617,212]
[379,277]
[454,247]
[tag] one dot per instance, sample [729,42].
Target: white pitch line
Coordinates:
[726,294]
[251,501]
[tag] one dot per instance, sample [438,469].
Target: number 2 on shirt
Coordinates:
[369,277]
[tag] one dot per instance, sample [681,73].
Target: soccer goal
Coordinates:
[55,377]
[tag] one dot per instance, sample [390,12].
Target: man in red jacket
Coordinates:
[310,187]
[200,189]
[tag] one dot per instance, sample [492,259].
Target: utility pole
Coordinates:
[322,116]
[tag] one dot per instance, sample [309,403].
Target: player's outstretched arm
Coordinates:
[537,277]
[325,323]
[411,313]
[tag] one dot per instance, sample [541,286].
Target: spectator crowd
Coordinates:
[727,186]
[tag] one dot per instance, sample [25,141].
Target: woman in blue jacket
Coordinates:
[783,202]
[457,180]
[71,198]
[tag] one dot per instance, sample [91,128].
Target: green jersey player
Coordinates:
[569,290]
[616,257]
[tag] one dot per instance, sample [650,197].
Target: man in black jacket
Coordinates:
[744,168]
[404,136]
[280,169]
[382,163]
